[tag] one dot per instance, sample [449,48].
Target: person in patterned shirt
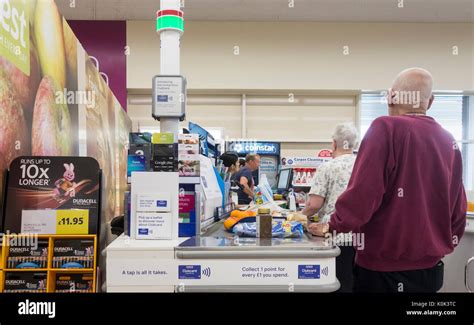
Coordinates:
[330,181]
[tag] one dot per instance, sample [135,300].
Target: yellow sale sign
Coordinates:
[72,222]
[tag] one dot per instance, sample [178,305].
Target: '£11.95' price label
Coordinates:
[72,222]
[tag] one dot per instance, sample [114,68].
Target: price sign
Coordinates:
[72,222]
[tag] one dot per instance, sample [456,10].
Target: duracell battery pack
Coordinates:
[74,282]
[25,282]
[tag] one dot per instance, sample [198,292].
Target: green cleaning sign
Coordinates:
[15,33]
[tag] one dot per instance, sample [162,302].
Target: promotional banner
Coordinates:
[54,101]
[105,42]
[39,187]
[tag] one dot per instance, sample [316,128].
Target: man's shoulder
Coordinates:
[245,171]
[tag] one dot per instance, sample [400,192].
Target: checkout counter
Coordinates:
[219,261]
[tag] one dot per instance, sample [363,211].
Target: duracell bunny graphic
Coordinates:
[65,185]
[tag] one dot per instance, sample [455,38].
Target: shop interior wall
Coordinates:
[306,55]
[299,56]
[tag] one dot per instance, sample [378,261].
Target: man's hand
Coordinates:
[318,229]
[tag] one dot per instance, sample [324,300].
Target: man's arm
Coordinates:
[368,182]
[245,183]
[458,220]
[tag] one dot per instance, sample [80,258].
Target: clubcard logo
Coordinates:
[309,271]
[190,272]
[161,204]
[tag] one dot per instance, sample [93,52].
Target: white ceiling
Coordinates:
[279,10]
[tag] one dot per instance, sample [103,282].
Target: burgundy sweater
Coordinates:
[405,195]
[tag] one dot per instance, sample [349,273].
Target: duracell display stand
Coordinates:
[51,224]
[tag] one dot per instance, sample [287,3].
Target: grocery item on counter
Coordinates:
[298,217]
[280,229]
[238,216]
[264,223]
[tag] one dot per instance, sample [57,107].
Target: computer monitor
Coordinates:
[284,180]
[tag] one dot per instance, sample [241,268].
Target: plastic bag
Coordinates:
[280,229]
[264,194]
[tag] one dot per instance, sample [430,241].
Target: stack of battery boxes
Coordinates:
[54,263]
[73,254]
[27,257]
[77,283]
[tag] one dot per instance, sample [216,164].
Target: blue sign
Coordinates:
[161,204]
[261,148]
[162,98]
[189,272]
[308,271]
[142,231]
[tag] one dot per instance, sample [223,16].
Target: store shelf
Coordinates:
[25,270]
[51,272]
[72,270]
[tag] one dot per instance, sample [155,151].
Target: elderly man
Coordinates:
[405,194]
[329,182]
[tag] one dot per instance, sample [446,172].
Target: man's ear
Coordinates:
[430,102]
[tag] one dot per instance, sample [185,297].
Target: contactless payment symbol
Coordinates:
[207,272]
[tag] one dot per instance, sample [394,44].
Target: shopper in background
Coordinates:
[329,182]
[245,179]
[405,195]
[241,163]
[230,159]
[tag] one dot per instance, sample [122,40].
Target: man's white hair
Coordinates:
[346,136]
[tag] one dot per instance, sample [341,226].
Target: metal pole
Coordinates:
[170,62]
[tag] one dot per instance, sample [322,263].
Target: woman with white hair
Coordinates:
[330,181]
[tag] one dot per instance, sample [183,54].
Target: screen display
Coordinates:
[284,179]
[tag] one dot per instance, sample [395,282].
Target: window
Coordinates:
[455,113]
[446,109]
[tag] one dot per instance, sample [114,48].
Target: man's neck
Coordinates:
[414,113]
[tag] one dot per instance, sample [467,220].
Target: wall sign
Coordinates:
[261,148]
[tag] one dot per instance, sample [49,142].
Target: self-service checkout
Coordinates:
[154,258]
[167,251]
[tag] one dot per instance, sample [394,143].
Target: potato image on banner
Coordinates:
[51,130]
[50,41]
[24,86]
[13,129]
